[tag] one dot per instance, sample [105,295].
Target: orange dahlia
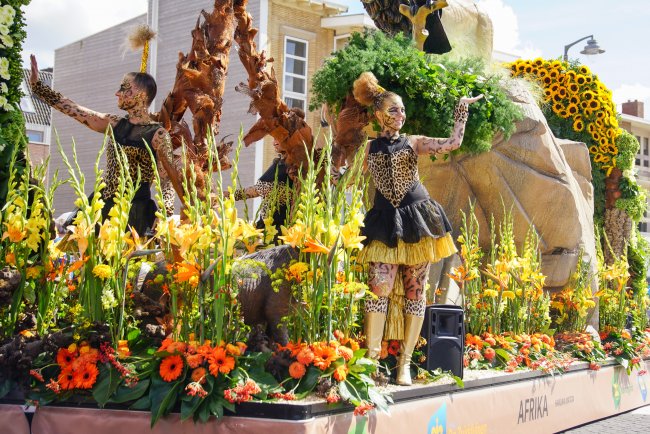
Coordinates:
[171,367]
[194,360]
[198,375]
[305,356]
[297,370]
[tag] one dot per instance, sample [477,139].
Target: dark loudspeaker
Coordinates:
[444,331]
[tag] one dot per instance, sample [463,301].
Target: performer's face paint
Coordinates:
[129,97]
[392,115]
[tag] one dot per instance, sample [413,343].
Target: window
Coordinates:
[295,73]
[26,103]
[643,227]
[646,146]
[35,136]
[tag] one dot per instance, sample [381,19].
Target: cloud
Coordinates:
[505,25]
[631,92]
[54,24]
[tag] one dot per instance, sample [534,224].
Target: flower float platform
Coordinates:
[491,401]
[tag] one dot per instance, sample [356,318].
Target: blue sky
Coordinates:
[524,27]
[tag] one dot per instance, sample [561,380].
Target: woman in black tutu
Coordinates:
[405,229]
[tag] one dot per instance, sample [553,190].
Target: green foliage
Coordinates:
[429,86]
[12,124]
[633,198]
[628,147]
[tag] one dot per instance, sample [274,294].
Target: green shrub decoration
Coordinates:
[12,124]
[429,85]
[628,147]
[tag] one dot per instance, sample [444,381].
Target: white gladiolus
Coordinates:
[4,29]
[108,299]
[4,104]
[3,87]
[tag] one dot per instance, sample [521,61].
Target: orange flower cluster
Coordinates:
[321,355]
[242,392]
[576,94]
[520,350]
[78,365]
[219,359]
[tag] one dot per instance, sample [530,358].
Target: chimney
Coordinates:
[633,108]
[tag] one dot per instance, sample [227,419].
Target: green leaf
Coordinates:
[189,406]
[309,381]
[107,385]
[163,396]
[126,394]
[143,403]
[344,391]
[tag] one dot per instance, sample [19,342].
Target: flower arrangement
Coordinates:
[507,293]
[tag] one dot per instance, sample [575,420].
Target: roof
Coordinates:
[43,112]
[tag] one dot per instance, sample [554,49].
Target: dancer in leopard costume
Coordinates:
[134,133]
[405,230]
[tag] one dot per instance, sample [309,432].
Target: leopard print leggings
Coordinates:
[381,278]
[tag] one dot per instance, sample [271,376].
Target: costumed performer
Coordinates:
[134,134]
[275,189]
[405,230]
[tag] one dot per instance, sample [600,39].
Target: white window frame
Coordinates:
[27,99]
[36,131]
[290,94]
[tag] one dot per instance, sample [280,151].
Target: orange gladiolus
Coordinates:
[314,246]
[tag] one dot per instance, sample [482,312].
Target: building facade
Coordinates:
[38,118]
[297,34]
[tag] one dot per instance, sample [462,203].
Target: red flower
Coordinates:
[171,368]
[489,354]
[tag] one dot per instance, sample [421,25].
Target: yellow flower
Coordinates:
[296,271]
[490,293]
[350,236]
[293,236]
[33,272]
[508,294]
[270,231]
[103,271]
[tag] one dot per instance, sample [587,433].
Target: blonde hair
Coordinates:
[367,91]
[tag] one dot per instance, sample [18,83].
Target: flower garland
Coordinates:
[577,104]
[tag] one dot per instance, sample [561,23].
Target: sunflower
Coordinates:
[557,107]
[546,80]
[601,115]
[574,100]
[297,370]
[591,128]
[541,73]
[581,79]
[572,109]
[554,87]
[220,362]
[558,98]
[573,88]
[588,79]
[578,125]
[604,141]
[66,378]
[563,114]
[553,73]
[584,70]
[571,75]
[528,69]
[171,368]
[584,104]
[538,61]
[594,104]
[86,376]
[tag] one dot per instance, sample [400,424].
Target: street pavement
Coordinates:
[635,421]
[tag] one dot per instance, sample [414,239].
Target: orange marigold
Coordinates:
[220,362]
[297,370]
[198,375]
[341,373]
[171,367]
[194,360]
[344,352]
[306,356]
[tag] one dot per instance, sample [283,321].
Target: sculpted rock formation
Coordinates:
[546,181]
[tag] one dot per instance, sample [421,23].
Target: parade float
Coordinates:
[240,328]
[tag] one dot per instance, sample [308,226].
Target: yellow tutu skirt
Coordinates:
[428,249]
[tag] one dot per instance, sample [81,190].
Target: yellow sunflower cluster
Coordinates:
[575,94]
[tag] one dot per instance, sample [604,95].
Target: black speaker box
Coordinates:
[444,331]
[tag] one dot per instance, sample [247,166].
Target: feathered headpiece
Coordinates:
[140,38]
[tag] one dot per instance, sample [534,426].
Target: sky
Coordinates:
[522,27]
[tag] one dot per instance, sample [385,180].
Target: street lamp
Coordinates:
[591,47]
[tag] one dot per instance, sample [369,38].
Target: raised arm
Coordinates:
[92,119]
[423,145]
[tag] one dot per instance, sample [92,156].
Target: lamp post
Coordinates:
[590,49]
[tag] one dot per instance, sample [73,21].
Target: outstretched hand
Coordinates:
[470,100]
[33,78]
